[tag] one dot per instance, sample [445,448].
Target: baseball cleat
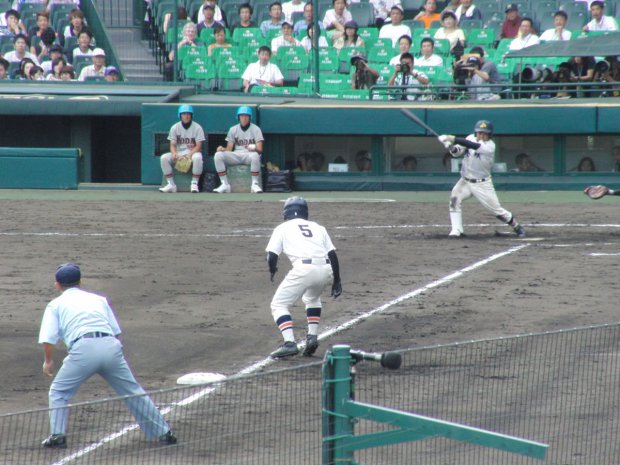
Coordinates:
[168,438]
[255,189]
[520,231]
[223,189]
[194,189]
[455,233]
[57,441]
[285,350]
[169,189]
[312,343]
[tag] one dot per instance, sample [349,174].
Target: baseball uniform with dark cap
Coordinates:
[86,324]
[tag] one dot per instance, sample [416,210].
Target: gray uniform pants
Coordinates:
[167,164]
[103,356]
[223,159]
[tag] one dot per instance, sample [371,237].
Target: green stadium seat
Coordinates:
[293,66]
[368,34]
[242,35]
[385,71]
[344,57]
[363,13]
[330,82]
[483,37]
[306,82]
[442,47]
[229,77]
[197,51]
[221,55]
[328,59]
[381,54]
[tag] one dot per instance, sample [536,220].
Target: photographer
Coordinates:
[365,77]
[607,70]
[404,75]
[478,86]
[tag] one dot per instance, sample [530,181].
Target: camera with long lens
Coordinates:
[463,70]
[404,67]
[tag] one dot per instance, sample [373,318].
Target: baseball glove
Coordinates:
[596,192]
[183,164]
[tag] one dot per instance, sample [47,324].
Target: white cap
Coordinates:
[99,52]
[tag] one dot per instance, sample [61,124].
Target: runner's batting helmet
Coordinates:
[484,126]
[244,111]
[185,109]
[295,207]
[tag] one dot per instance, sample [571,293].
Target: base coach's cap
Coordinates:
[68,274]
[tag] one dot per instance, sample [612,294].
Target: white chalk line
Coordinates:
[265,232]
[324,335]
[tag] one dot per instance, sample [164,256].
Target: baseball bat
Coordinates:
[418,121]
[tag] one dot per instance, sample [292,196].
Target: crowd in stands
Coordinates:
[49,41]
[364,44]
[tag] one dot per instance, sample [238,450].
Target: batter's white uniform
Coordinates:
[476,180]
[186,140]
[306,244]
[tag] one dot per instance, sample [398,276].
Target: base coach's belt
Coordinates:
[316,261]
[91,335]
[476,181]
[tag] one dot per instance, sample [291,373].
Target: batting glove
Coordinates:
[446,140]
[336,289]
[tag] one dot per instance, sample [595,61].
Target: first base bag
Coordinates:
[279,181]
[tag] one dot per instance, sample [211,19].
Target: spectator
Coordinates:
[219,34]
[186,137]
[275,13]
[559,31]
[608,70]
[306,22]
[76,24]
[97,69]
[409,163]
[363,161]
[42,49]
[382,10]
[585,164]
[488,71]
[244,146]
[168,18]
[365,77]
[111,74]
[526,37]
[449,30]
[4,69]
[404,46]
[467,11]
[55,52]
[208,22]
[20,46]
[405,75]
[510,26]
[83,48]
[11,24]
[306,42]
[36,33]
[294,6]
[286,39]
[615,157]
[335,19]
[36,73]
[245,17]
[190,39]
[524,164]
[428,14]
[67,73]
[478,87]
[395,29]
[262,72]
[57,64]
[452,5]
[219,15]
[350,37]
[316,162]
[599,21]
[25,65]
[428,57]
[302,162]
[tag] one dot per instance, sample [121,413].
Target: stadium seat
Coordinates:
[412,7]
[306,82]
[328,60]
[344,58]
[483,37]
[229,77]
[576,20]
[363,13]
[197,51]
[369,35]
[442,47]
[221,55]
[385,72]
[293,66]
[245,33]
[381,54]
[334,82]
[249,47]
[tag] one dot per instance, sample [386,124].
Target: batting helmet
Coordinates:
[295,207]
[245,111]
[186,109]
[484,126]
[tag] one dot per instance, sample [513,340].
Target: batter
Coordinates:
[478,152]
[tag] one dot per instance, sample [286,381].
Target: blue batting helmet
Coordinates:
[484,126]
[185,109]
[245,111]
[295,207]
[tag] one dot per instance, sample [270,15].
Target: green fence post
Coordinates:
[337,425]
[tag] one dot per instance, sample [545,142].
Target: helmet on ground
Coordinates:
[295,207]
[484,126]
[244,111]
[185,109]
